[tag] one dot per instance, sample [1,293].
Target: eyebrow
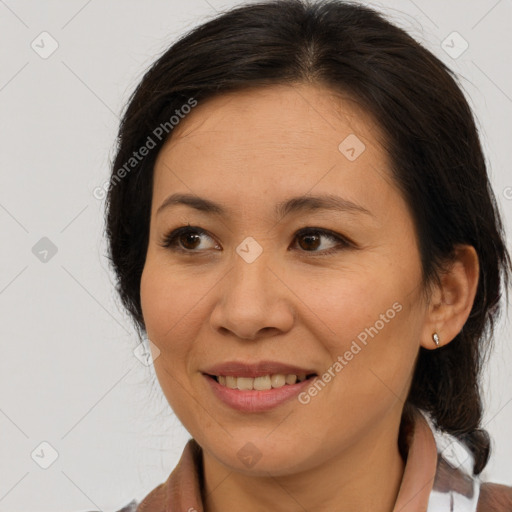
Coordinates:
[292,205]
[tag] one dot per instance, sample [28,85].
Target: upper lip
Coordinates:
[256,369]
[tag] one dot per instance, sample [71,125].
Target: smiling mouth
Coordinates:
[262,383]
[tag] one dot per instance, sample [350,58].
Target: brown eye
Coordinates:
[189,240]
[312,240]
[185,239]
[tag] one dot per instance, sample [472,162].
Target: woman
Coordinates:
[301,222]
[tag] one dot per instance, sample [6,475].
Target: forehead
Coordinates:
[277,115]
[286,138]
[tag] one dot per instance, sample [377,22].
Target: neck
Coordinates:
[365,477]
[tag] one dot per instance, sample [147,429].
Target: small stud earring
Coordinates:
[435,336]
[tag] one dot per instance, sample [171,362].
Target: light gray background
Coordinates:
[68,373]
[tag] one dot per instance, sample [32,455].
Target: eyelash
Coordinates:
[171,240]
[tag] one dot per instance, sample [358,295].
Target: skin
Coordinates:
[249,150]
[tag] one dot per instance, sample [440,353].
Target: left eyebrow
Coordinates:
[319,202]
[281,209]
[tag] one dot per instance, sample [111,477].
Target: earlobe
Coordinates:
[453,298]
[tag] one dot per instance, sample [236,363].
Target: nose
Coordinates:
[253,301]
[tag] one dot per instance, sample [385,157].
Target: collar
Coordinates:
[455,487]
[438,476]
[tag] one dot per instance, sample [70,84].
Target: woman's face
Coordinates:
[244,285]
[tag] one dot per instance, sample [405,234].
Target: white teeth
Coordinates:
[291,379]
[231,382]
[262,383]
[244,383]
[277,380]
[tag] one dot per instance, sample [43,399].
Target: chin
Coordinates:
[260,457]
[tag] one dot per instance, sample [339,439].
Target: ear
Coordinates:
[451,301]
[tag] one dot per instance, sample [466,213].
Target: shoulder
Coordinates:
[495,498]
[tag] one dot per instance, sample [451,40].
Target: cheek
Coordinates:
[373,322]
[168,310]
[169,301]
[173,305]
[343,303]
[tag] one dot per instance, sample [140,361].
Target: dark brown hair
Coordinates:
[431,138]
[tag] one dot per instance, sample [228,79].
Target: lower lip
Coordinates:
[253,400]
